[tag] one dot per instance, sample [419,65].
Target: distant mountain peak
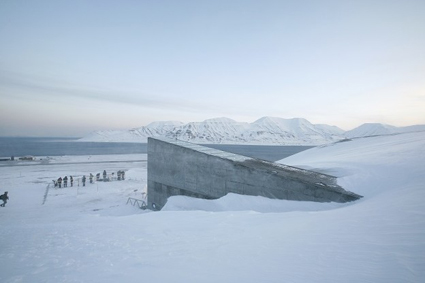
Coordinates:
[371,129]
[220,120]
[164,123]
[277,119]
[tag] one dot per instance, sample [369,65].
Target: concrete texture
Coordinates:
[181,168]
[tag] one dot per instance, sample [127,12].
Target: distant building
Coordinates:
[27,157]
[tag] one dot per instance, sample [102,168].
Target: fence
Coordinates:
[134,201]
[46,193]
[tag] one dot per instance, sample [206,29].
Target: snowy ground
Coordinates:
[89,234]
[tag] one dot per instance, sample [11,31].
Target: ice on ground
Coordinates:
[90,235]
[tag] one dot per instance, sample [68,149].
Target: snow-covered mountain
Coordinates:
[265,131]
[218,130]
[154,129]
[371,129]
[271,130]
[376,129]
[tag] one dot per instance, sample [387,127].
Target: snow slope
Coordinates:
[90,235]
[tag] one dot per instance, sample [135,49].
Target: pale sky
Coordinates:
[71,67]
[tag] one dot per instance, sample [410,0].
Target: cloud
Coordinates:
[30,87]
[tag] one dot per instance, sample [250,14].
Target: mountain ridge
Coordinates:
[264,131]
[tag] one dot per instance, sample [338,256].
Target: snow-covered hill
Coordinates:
[264,131]
[376,129]
[371,129]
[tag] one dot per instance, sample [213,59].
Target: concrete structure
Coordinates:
[181,168]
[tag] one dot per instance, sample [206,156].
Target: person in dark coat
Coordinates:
[84,180]
[60,182]
[4,197]
[65,181]
[104,175]
[71,180]
[91,178]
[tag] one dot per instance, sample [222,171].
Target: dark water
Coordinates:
[67,146]
[64,146]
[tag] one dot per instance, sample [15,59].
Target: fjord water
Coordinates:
[265,152]
[64,146]
[21,146]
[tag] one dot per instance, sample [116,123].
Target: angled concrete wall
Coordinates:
[181,168]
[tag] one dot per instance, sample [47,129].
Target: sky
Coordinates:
[68,68]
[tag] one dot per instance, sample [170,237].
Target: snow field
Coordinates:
[93,236]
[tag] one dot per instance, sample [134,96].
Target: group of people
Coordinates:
[58,183]
[104,176]
[120,176]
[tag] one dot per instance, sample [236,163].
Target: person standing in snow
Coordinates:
[104,175]
[71,180]
[91,178]
[84,180]
[60,182]
[65,181]
[4,197]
